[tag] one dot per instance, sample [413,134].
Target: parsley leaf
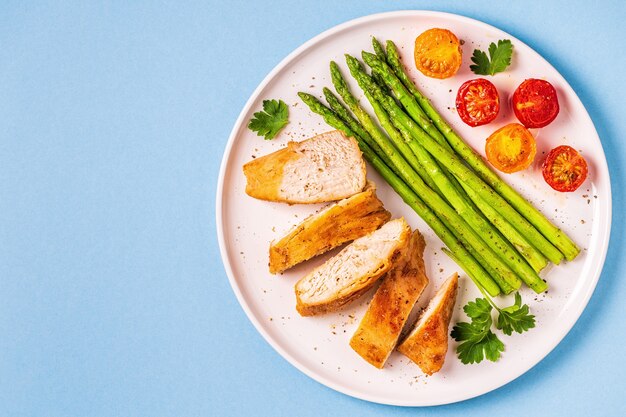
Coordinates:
[493,346]
[481,61]
[500,58]
[271,120]
[478,341]
[479,311]
[515,318]
[477,344]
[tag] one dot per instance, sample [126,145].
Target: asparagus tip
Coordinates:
[305,96]
[352,61]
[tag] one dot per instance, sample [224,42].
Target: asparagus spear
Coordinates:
[455,165]
[472,267]
[457,198]
[398,133]
[481,239]
[555,235]
[481,225]
[399,136]
[536,260]
[380,53]
[382,74]
[400,83]
[379,49]
[398,140]
[468,264]
[342,88]
[404,96]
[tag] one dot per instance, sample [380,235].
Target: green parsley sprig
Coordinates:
[500,55]
[271,120]
[477,339]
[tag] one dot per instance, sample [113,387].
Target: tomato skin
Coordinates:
[535,103]
[438,53]
[477,102]
[564,169]
[511,148]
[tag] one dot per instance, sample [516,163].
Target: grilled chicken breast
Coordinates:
[352,271]
[337,224]
[427,343]
[326,167]
[389,310]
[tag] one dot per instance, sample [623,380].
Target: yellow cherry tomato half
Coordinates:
[438,53]
[511,148]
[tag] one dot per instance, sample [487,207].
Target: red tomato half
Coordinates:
[564,169]
[477,102]
[535,103]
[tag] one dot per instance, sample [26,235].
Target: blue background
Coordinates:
[113,120]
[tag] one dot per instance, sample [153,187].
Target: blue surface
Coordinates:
[113,120]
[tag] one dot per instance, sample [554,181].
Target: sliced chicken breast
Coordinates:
[389,310]
[353,271]
[337,224]
[427,343]
[326,167]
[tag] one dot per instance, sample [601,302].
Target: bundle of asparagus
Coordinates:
[497,237]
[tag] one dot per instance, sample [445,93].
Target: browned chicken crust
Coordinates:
[427,343]
[390,307]
[337,224]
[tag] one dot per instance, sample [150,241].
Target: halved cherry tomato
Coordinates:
[477,102]
[564,169]
[511,148]
[438,53]
[535,103]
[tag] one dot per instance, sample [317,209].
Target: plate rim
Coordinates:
[576,313]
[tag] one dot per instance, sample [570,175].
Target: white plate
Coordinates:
[318,346]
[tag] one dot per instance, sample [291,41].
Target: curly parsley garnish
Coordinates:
[271,120]
[477,340]
[500,58]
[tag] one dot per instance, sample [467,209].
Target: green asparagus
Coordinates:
[481,239]
[555,235]
[457,196]
[536,260]
[454,164]
[342,88]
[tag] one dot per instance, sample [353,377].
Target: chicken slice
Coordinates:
[389,310]
[353,271]
[427,343]
[326,167]
[337,224]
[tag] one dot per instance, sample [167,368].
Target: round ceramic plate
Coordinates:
[318,346]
